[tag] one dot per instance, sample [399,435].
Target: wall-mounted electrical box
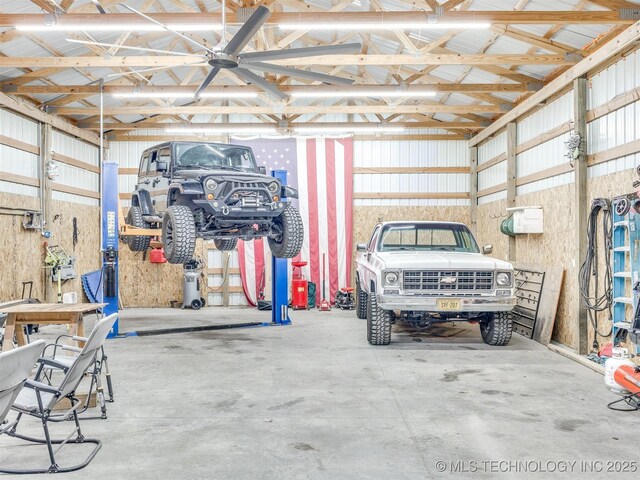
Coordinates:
[527,219]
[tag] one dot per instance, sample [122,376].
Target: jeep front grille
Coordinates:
[246,193]
[464,280]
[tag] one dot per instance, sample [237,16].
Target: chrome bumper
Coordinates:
[419,303]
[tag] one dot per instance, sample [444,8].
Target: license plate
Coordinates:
[448,305]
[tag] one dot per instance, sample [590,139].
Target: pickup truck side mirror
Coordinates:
[262,170]
[487,250]
[161,166]
[362,247]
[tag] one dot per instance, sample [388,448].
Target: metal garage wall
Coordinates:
[413,153]
[495,175]
[550,153]
[619,127]
[84,181]
[16,161]
[219,271]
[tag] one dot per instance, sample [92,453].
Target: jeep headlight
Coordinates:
[273,187]
[503,279]
[391,278]
[211,184]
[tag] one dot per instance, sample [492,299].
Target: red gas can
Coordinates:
[299,288]
[157,256]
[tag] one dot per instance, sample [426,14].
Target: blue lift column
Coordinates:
[280,276]
[109,245]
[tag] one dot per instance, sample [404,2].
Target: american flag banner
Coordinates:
[322,171]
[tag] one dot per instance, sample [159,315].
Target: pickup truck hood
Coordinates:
[441,261]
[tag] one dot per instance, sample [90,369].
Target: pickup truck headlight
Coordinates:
[503,279]
[391,278]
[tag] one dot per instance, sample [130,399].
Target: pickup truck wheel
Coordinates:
[178,234]
[225,245]
[138,243]
[361,308]
[497,329]
[378,323]
[289,241]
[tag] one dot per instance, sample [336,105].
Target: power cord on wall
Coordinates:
[589,269]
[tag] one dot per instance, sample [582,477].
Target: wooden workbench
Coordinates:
[44,314]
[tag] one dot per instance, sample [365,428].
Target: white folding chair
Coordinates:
[37,399]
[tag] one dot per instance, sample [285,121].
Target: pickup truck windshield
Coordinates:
[427,237]
[212,156]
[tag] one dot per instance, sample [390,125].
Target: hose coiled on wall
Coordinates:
[589,270]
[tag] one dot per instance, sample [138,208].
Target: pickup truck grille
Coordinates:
[464,280]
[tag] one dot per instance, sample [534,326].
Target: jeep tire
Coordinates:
[289,241]
[137,243]
[378,322]
[225,244]
[178,234]
[361,299]
[497,329]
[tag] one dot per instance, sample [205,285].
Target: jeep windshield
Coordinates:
[427,237]
[208,156]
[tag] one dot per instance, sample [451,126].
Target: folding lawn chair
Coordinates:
[15,367]
[37,399]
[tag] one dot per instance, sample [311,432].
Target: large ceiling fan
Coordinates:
[228,55]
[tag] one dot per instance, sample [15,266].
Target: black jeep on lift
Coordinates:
[212,191]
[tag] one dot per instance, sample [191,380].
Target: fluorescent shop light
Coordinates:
[222,129]
[131,27]
[356,94]
[185,95]
[385,26]
[363,129]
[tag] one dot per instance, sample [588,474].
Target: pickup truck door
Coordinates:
[366,259]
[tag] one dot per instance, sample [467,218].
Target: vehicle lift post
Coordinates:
[280,273]
[109,245]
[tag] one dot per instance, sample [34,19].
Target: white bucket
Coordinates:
[70,297]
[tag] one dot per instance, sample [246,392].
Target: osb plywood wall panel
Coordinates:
[607,186]
[366,218]
[23,251]
[488,227]
[555,248]
[146,284]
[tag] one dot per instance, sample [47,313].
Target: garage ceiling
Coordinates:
[425,75]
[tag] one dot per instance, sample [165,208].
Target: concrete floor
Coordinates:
[314,400]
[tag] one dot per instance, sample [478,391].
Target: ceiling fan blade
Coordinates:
[269,55]
[128,47]
[146,17]
[247,31]
[294,72]
[259,82]
[207,80]
[152,69]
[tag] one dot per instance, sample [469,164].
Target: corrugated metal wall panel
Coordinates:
[492,176]
[74,176]
[406,202]
[215,259]
[546,155]
[614,166]
[616,128]
[623,76]
[492,198]
[552,115]
[16,161]
[491,149]
[551,182]
[402,153]
[423,183]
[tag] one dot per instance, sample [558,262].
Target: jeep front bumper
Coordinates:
[424,303]
[221,210]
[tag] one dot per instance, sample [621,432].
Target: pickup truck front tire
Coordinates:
[378,322]
[362,299]
[497,329]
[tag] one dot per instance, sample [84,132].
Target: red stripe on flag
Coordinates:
[348,201]
[243,272]
[332,220]
[314,238]
[258,252]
